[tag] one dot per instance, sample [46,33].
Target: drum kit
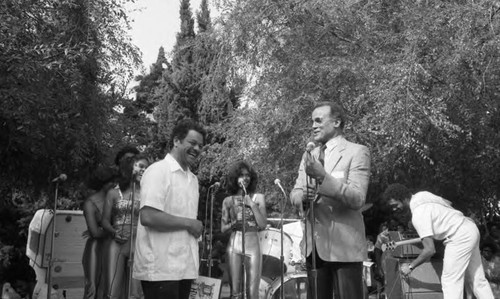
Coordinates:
[287,279]
[295,276]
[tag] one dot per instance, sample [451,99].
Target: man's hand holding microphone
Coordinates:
[315,171]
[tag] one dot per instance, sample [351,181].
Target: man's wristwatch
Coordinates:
[410,267]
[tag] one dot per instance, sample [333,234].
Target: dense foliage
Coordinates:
[419,81]
[64,65]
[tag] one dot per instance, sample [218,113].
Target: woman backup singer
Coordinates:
[242,185]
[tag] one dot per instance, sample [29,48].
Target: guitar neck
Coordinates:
[407,242]
[393,245]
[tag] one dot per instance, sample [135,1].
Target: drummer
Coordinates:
[242,184]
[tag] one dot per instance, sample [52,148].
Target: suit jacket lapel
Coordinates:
[336,155]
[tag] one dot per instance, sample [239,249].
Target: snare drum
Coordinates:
[270,247]
[295,287]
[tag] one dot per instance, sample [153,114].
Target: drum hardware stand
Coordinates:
[131,254]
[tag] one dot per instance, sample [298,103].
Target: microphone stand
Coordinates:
[131,239]
[314,272]
[211,233]
[208,256]
[282,258]
[53,235]
[312,219]
[243,232]
[204,236]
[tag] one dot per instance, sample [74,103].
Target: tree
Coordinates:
[415,78]
[57,90]
[203,17]
[144,98]
[179,87]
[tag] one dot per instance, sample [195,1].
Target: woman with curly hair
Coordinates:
[121,224]
[244,205]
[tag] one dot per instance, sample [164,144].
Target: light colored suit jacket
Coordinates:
[339,226]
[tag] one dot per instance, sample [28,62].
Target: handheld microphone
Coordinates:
[278,182]
[241,182]
[215,185]
[61,178]
[310,146]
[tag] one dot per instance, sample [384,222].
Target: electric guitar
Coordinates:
[392,245]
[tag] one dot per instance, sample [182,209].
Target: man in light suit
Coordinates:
[338,190]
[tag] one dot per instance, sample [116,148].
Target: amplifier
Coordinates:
[67,269]
[423,282]
[407,250]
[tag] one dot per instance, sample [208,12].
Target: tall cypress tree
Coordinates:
[218,97]
[180,86]
[187,94]
[203,17]
[185,37]
[145,99]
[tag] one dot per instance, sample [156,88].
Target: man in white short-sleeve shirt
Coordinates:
[434,218]
[166,251]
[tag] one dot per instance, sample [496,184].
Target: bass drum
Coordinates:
[270,247]
[295,287]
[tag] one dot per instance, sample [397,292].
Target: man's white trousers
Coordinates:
[462,261]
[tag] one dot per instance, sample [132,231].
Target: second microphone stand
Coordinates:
[131,239]
[211,190]
[52,239]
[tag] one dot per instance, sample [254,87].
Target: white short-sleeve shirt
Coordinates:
[432,216]
[174,255]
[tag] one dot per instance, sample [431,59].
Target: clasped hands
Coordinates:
[121,236]
[246,200]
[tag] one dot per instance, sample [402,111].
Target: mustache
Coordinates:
[193,152]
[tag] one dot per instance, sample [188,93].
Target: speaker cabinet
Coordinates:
[424,281]
[69,243]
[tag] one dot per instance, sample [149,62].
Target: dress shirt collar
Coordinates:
[174,165]
[332,143]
